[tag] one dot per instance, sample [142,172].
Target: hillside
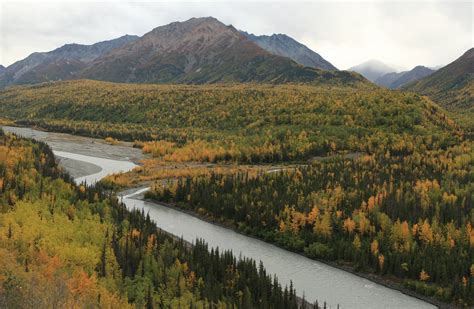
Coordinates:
[59,64]
[244,122]
[372,69]
[202,51]
[452,87]
[397,80]
[283,45]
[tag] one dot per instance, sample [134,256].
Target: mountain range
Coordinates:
[197,51]
[283,45]
[61,63]
[372,69]
[2,69]
[396,80]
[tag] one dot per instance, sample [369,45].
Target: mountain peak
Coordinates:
[372,69]
[374,63]
[195,22]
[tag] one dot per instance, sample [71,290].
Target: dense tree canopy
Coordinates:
[406,214]
[243,122]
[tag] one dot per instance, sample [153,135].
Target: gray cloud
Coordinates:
[400,33]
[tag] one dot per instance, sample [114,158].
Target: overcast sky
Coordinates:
[400,33]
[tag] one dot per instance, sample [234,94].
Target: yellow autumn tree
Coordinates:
[424,275]
[381,259]
[374,247]
[425,232]
[349,225]
[323,225]
[356,243]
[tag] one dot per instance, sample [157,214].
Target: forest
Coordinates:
[374,180]
[246,123]
[405,215]
[67,245]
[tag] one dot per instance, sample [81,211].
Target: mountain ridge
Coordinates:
[284,45]
[58,64]
[452,86]
[396,80]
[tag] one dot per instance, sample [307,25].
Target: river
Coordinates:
[315,279]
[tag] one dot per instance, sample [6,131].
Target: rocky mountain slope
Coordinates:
[283,45]
[59,64]
[199,51]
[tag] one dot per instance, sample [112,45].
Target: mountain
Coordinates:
[396,80]
[61,63]
[451,86]
[386,80]
[283,45]
[199,51]
[436,67]
[372,69]
[2,69]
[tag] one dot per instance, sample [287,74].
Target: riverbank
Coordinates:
[78,168]
[386,282]
[80,145]
[188,245]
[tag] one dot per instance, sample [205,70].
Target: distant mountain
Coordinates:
[61,63]
[200,51]
[386,80]
[451,86]
[2,69]
[283,45]
[372,69]
[396,80]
